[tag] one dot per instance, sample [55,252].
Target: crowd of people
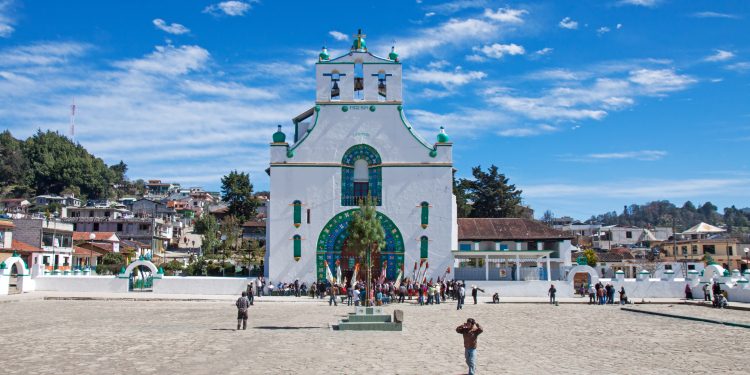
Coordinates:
[601,294]
[713,294]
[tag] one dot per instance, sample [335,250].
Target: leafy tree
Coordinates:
[366,235]
[591,258]
[118,171]
[462,201]
[13,164]
[492,194]
[237,190]
[208,228]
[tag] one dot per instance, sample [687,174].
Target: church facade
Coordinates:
[354,142]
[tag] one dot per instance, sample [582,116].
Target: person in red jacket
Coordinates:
[470,330]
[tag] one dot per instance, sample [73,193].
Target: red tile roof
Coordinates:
[81,251]
[6,224]
[506,229]
[24,247]
[100,236]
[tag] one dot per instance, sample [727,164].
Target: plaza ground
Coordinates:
[198,337]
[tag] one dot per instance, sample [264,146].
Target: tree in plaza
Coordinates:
[492,194]
[13,164]
[591,258]
[366,235]
[462,200]
[208,228]
[237,191]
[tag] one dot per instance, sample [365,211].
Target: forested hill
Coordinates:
[49,163]
[661,213]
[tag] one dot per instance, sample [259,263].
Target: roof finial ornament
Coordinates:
[359,44]
[324,56]
[393,55]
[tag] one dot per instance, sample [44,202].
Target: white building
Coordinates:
[353,142]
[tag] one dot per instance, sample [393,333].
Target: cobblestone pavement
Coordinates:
[725,315]
[144,337]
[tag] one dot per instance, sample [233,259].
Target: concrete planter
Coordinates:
[668,275]
[620,275]
[736,273]
[643,276]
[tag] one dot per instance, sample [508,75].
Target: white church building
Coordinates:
[357,141]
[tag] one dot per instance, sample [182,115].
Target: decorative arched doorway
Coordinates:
[13,271]
[332,247]
[141,274]
[593,277]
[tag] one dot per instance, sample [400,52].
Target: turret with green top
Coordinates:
[279,136]
[324,56]
[442,137]
[393,55]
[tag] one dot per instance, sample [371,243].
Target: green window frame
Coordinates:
[297,247]
[425,214]
[297,207]
[423,247]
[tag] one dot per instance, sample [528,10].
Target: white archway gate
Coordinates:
[712,272]
[141,284]
[23,282]
[594,277]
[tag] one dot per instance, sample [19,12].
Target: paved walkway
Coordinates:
[191,337]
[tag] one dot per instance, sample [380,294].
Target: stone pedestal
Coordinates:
[643,276]
[371,319]
[668,275]
[620,275]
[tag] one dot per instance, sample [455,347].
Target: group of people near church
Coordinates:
[719,299]
[600,294]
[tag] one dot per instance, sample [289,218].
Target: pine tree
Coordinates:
[366,235]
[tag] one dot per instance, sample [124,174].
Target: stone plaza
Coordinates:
[292,335]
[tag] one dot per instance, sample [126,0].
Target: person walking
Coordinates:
[623,296]
[706,293]
[250,293]
[551,292]
[332,292]
[470,331]
[592,294]
[688,292]
[461,296]
[474,292]
[242,305]
[349,296]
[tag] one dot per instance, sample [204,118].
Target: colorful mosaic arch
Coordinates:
[334,234]
[375,176]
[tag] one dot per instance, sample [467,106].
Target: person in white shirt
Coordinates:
[461,296]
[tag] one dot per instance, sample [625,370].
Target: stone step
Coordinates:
[368,318]
[369,326]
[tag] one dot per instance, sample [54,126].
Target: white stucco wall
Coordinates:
[313,176]
[87,284]
[201,285]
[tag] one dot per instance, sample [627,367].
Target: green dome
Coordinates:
[393,55]
[324,54]
[442,137]
[279,136]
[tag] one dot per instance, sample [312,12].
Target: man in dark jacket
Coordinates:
[470,330]
[242,305]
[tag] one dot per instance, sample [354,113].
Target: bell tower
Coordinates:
[358,76]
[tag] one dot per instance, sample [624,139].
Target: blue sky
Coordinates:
[585,105]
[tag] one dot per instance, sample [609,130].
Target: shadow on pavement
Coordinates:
[286,327]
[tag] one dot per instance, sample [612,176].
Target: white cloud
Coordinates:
[438,64]
[42,53]
[715,15]
[174,28]
[742,66]
[444,78]
[544,51]
[429,14]
[507,15]
[230,8]
[619,26]
[169,60]
[658,81]
[172,113]
[451,32]
[642,189]
[497,51]
[720,55]
[602,30]
[6,21]
[643,155]
[643,3]
[338,35]
[568,23]
[528,131]
[454,6]
[589,95]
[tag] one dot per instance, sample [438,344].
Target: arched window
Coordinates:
[297,207]
[297,247]
[360,175]
[425,214]
[423,244]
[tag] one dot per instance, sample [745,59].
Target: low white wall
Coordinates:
[738,294]
[201,285]
[93,284]
[532,288]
